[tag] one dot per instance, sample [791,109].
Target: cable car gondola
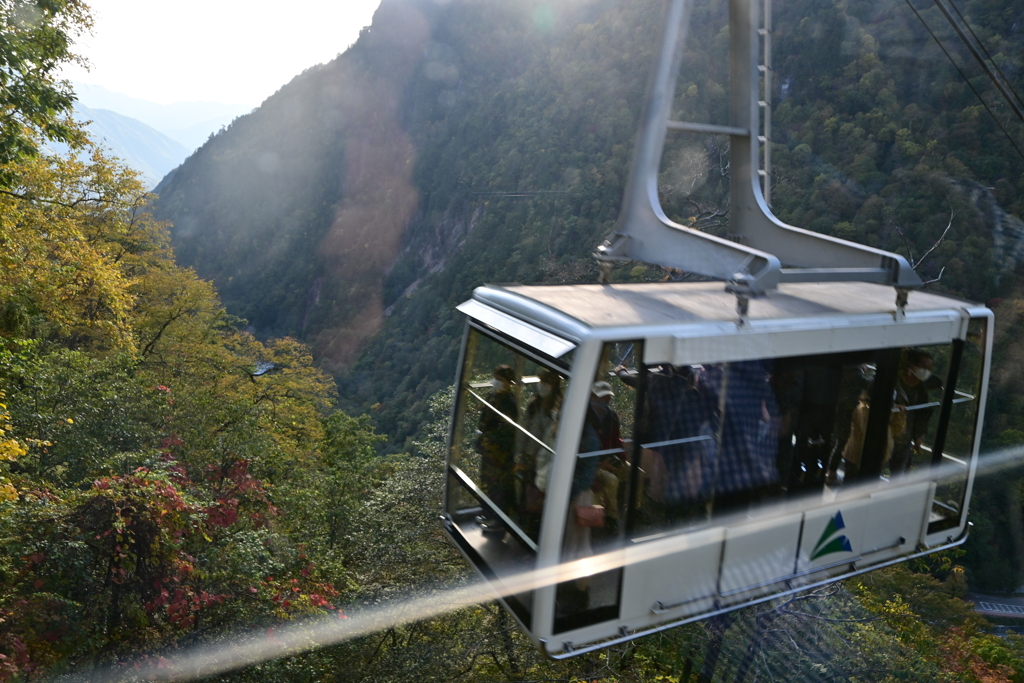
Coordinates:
[724,442]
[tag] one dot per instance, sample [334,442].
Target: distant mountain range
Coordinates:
[142,147]
[152,138]
[189,123]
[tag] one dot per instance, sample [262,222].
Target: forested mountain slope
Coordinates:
[468,142]
[321,210]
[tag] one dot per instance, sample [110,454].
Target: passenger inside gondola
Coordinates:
[853,407]
[533,465]
[813,425]
[828,404]
[600,429]
[853,448]
[744,472]
[678,445]
[611,462]
[594,495]
[916,392]
[497,444]
[699,465]
[596,499]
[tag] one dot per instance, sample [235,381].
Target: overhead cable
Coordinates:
[984,65]
[966,80]
[983,49]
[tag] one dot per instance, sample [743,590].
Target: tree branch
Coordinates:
[952,215]
[906,243]
[66,205]
[149,347]
[928,282]
[830,619]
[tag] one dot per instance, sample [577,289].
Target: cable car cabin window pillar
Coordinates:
[636,473]
[600,488]
[947,401]
[946,513]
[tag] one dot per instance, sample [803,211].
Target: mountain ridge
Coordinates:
[189,123]
[142,147]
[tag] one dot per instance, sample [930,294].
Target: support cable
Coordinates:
[984,65]
[966,80]
[985,50]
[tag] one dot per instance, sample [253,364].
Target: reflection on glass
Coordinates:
[679,443]
[505,429]
[533,463]
[958,446]
[726,438]
[854,437]
[745,470]
[506,422]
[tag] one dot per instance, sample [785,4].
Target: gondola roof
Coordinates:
[675,303]
[795,318]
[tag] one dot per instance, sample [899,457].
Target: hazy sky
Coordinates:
[232,51]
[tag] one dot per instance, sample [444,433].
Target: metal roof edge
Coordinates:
[539,314]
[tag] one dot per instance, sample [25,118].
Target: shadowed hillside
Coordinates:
[468,142]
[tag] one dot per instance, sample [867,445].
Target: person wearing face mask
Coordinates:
[497,444]
[534,461]
[913,392]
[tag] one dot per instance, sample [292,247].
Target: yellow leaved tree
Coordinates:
[10,450]
[74,233]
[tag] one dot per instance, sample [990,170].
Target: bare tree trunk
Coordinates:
[687,663]
[510,648]
[717,626]
[687,668]
[761,624]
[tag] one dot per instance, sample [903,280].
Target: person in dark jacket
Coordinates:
[913,394]
[497,443]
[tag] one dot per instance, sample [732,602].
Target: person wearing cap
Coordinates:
[602,390]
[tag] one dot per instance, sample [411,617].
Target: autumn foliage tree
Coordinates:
[160,468]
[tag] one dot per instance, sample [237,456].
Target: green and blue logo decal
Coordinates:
[838,544]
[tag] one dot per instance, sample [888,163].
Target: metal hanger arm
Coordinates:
[766,244]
